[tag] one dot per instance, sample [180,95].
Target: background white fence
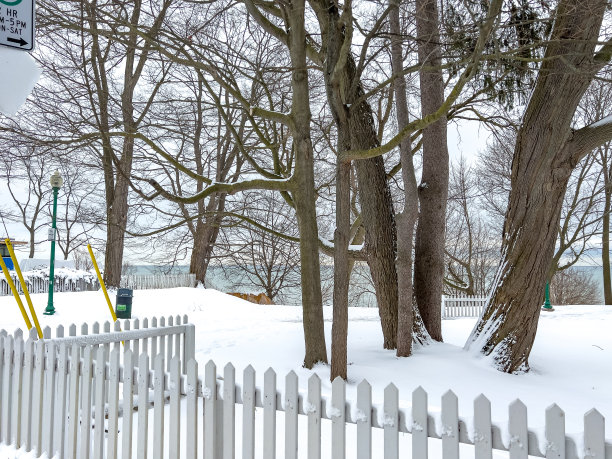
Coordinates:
[41,285]
[462,306]
[59,398]
[136,282]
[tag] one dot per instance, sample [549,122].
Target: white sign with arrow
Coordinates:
[17,24]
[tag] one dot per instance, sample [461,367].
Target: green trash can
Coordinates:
[123,308]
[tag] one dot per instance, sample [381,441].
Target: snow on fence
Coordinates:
[139,282]
[462,306]
[54,400]
[41,285]
[168,336]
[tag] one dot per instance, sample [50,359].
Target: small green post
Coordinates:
[547,306]
[56,184]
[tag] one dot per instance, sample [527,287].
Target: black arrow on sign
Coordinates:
[21,41]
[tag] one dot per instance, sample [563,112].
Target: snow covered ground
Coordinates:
[571,359]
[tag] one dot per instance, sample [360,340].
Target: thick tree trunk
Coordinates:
[304,194]
[356,120]
[546,151]
[380,237]
[205,235]
[433,191]
[117,214]
[203,243]
[407,219]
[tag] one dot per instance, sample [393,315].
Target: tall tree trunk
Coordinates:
[355,120]
[116,219]
[605,237]
[407,219]
[341,270]
[433,191]
[304,193]
[546,151]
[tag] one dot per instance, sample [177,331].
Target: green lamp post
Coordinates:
[56,184]
[547,306]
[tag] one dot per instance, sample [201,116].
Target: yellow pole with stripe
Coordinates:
[11,284]
[108,301]
[24,286]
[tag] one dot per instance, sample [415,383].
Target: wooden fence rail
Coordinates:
[58,398]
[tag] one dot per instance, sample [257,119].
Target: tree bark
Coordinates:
[355,120]
[341,270]
[304,193]
[546,151]
[204,238]
[605,237]
[433,191]
[407,219]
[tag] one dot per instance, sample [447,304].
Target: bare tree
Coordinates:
[77,218]
[471,246]
[267,260]
[26,175]
[593,107]
[574,286]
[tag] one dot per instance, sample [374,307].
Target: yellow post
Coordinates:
[108,301]
[23,286]
[11,284]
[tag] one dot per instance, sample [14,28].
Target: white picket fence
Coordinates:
[169,336]
[139,282]
[41,285]
[462,306]
[136,282]
[57,397]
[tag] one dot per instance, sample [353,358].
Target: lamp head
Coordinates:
[56,180]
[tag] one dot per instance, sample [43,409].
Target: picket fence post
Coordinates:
[269,416]
[313,411]
[113,404]
[248,413]
[291,415]
[174,438]
[143,404]
[364,420]
[229,411]
[192,409]
[128,402]
[158,407]
[338,418]
[209,399]
[450,426]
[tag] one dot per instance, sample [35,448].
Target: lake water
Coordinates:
[235,279]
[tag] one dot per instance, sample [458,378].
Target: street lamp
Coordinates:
[547,306]
[56,184]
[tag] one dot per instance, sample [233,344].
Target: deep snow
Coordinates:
[570,361]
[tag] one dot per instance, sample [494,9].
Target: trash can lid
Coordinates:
[125,292]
